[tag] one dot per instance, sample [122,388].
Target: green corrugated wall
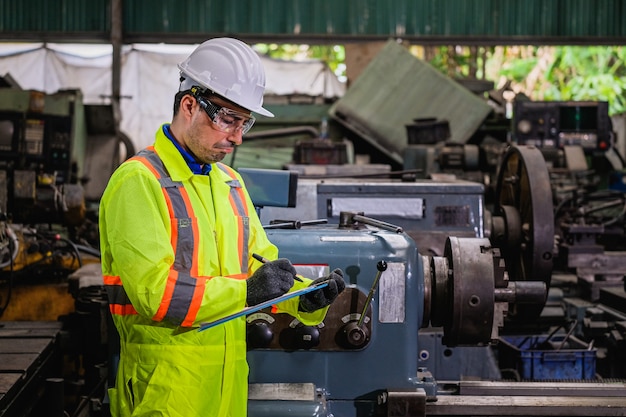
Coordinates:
[489,21]
[31,17]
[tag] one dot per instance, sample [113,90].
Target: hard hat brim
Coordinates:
[263,112]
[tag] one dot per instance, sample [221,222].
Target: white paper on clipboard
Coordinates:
[263,305]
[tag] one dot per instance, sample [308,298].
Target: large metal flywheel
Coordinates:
[523,220]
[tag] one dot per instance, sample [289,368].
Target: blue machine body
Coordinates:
[348,377]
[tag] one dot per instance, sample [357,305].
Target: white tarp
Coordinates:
[149,78]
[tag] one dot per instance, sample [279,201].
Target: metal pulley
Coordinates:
[522,221]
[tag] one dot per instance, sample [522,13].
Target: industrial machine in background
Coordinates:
[42,153]
[556,124]
[56,154]
[365,359]
[42,200]
[52,153]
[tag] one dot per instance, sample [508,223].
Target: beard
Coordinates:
[204,147]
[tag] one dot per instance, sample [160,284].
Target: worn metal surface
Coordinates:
[464,405]
[485,398]
[544,388]
[406,403]
[471,310]
[293,392]
[28,356]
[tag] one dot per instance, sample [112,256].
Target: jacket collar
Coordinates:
[174,161]
[195,166]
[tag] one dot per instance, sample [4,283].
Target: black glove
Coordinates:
[271,280]
[321,298]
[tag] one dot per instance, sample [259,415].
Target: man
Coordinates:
[177,231]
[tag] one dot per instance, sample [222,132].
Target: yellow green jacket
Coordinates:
[167,367]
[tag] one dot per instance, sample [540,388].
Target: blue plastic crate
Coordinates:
[544,358]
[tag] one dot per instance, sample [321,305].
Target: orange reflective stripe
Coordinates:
[144,160]
[196,301]
[112,280]
[168,201]
[167,295]
[242,198]
[173,223]
[240,240]
[240,228]
[122,310]
[147,163]
[119,302]
[238,276]
[238,206]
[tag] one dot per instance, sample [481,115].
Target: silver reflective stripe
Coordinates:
[181,299]
[246,238]
[184,250]
[234,185]
[183,259]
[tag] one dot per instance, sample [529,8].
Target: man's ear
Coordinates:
[187,104]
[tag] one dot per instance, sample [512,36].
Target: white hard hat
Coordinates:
[229,68]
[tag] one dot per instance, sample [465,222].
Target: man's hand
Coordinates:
[271,280]
[321,298]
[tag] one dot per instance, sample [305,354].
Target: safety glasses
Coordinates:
[225,119]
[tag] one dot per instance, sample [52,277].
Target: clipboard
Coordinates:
[263,305]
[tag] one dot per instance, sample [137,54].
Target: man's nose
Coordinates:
[236,137]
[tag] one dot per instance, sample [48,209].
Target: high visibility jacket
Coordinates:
[175,251]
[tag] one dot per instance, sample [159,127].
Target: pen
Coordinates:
[263,260]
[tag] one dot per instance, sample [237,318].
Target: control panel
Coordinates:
[555,124]
[42,148]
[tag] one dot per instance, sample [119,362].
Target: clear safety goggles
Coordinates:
[225,119]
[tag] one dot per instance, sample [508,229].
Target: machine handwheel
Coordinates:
[523,219]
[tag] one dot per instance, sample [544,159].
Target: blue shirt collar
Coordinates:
[195,166]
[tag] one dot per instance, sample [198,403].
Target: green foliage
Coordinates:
[333,55]
[518,70]
[596,73]
[454,61]
[592,73]
[576,73]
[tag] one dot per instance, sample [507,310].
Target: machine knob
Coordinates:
[259,335]
[524,126]
[307,337]
[355,336]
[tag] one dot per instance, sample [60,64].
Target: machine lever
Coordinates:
[347,219]
[286,224]
[381,266]
[355,334]
[377,223]
[293,224]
